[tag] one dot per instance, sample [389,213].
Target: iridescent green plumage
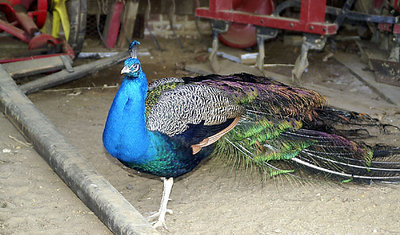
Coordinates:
[259,142]
[280,124]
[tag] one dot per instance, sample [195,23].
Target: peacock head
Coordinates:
[132,66]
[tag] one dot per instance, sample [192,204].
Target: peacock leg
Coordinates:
[163,207]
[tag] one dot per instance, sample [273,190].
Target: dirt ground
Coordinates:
[210,200]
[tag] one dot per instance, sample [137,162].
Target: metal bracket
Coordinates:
[395,51]
[344,12]
[310,41]
[217,28]
[67,63]
[263,34]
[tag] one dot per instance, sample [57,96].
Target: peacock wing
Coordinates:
[194,112]
[156,88]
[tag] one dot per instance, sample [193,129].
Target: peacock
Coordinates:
[166,128]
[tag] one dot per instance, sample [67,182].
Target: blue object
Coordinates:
[127,138]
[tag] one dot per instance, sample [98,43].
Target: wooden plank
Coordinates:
[371,51]
[128,23]
[73,168]
[31,67]
[64,76]
[389,93]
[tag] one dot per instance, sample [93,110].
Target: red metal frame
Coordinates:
[395,28]
[244,35]
[112,28]
[40,14]
[21,23]
[35,9]
[23,20]
[312,17]
[15,31]
[67,48]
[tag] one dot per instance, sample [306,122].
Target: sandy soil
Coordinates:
[210,200]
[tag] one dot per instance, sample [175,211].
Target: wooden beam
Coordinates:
[389,93]
[31,67]
[64,76]
[128,23]
[73,168]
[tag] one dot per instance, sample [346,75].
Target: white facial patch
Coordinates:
[134,68]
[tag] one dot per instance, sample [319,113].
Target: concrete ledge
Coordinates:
[93,189]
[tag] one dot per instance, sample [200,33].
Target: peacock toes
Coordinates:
[163,206]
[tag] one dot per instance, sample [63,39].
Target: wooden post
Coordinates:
[128,23]
[113,22]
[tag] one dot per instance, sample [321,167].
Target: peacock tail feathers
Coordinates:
[266,95]
[256,141]
[281,127]
[216,98]
[279,147]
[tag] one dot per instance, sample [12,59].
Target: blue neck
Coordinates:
[125,135]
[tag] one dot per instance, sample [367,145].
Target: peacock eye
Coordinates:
[134,67]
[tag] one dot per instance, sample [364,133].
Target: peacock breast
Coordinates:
[168,158]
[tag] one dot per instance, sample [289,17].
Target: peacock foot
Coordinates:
[163,207]
[160,222]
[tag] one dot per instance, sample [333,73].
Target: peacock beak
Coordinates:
[125,70]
